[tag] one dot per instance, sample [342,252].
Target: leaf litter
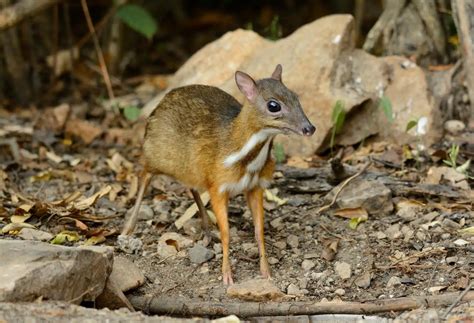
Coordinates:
[78,180]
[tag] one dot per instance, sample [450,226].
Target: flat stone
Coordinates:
[293,289]
[256,290]
[340,292]
[33,234]
[280,244]
[394,281]
[272,260]
[307,265]
[371,195]
[199,254]
[126,275]
[112,297]
[32,269]
[343,269]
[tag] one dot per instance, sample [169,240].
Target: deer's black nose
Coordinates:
[309,130]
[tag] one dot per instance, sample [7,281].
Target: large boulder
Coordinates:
[322,66]
[33,269]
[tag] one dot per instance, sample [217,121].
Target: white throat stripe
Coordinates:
[254,140]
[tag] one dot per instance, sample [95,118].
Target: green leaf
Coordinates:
[65,236]
[132,113]
[279,153]
[139,19]
[354,222]
[386,106]
[411,124]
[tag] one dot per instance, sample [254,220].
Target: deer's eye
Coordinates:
[273,106]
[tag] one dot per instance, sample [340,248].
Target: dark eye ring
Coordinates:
[273,106]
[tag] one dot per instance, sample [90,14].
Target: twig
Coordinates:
[343,185]
[458,299]
[186,307]
[100,55]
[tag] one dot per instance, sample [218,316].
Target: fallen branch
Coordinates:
[19,11]
[186,307]
[458,299]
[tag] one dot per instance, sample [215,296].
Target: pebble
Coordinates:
[145,213]
[273,260]
[257,290]
[394,281]
[280,244]
[451,260]
[340,292]
[393,232]
[277,223]
[199,254]
[343,269]
[33,234]
[217,248]
[292,289]
[420,235]
[454,126]
[450,224]
[311,255]
[380,235]
[364,280]
[293,241]
[307,265]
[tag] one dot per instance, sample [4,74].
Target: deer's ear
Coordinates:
[246,85]
[276,75]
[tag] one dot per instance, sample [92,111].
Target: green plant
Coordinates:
[279,153]
[131,112]
[338,117]
[138,19]
[274,31]
[386,107]
[452,156]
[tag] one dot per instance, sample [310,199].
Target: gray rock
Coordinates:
[272,260]
[129,244]
[393,232]
[364,280]
[340,292]
[293,241]
[394,281]
[308,265]
[112,297]
[373,196]
[280,244]
[33,234]
[146,212]
[32,269]
[343,269]
[293,289]
[126,275]
[199,254]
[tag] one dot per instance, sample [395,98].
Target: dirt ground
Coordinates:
[313,256]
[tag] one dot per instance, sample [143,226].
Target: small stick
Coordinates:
[344,184]
[100,55]
[458,299]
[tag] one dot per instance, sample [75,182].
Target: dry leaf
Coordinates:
[12,227]
[296,161]
[81,225]
[85,203]
[330,249]
[83,129]
[352,213]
